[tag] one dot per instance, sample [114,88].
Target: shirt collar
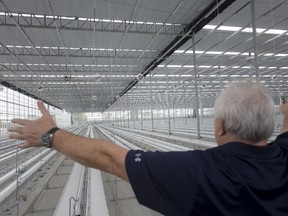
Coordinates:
[238,148]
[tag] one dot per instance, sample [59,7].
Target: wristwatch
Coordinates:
[46,138]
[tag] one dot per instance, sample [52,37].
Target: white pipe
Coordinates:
[98,203]
[10,154]
[71,197]
[86,193]
[118,140]
[4,194]
[12,173]
[79,194]
[69,194]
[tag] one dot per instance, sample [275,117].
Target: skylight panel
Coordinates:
[211,27]
[268,54]
[281,55]
[39,16]
[247,54]
[214,52]
[204,66]
[179,51]
[275,31]
[51,17]
[68,18]
[229,28]
[174,66]
[197,52]
[231,53]
[272,67]
[221,66]
[250,30]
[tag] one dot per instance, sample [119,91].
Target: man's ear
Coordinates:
[219,127]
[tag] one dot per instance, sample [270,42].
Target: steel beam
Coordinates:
[89,24]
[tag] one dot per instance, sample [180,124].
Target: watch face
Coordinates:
[46,139]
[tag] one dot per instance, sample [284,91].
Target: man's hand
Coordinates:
[32,130]
[284,109]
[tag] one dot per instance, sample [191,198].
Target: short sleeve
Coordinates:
[164,181]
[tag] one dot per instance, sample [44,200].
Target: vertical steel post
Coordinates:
[128,108]
[142,123]
[151,105]
[256,64]
[196,86]
[168,106]
[133,115]
[185,113]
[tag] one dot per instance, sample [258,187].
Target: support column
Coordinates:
[142,115]
[168,106]
[151,105]
[196,87]
[185,108]
[128,112]
[256,64]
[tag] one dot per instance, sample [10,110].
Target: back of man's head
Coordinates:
[246,110]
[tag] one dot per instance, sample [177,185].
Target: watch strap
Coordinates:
[53,130]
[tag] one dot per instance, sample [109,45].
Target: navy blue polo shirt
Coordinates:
[232,179]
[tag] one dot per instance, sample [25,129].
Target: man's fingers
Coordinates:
[42,108]
[19,121]
[16,136]
[24,145]
[16,130]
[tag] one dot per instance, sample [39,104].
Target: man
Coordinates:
[244,175]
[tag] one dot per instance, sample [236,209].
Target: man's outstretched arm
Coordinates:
[95,153]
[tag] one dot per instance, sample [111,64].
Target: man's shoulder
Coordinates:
[282,140]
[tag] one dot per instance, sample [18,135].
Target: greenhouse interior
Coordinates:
[143,74]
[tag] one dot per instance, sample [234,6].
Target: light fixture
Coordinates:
[203,85]
[274,77]
[117,97]
[140,77]
[40,87]
[61,101]
[67,78]
[94,97]
[175,86]
[97,77]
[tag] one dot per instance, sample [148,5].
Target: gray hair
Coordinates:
[247,110]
